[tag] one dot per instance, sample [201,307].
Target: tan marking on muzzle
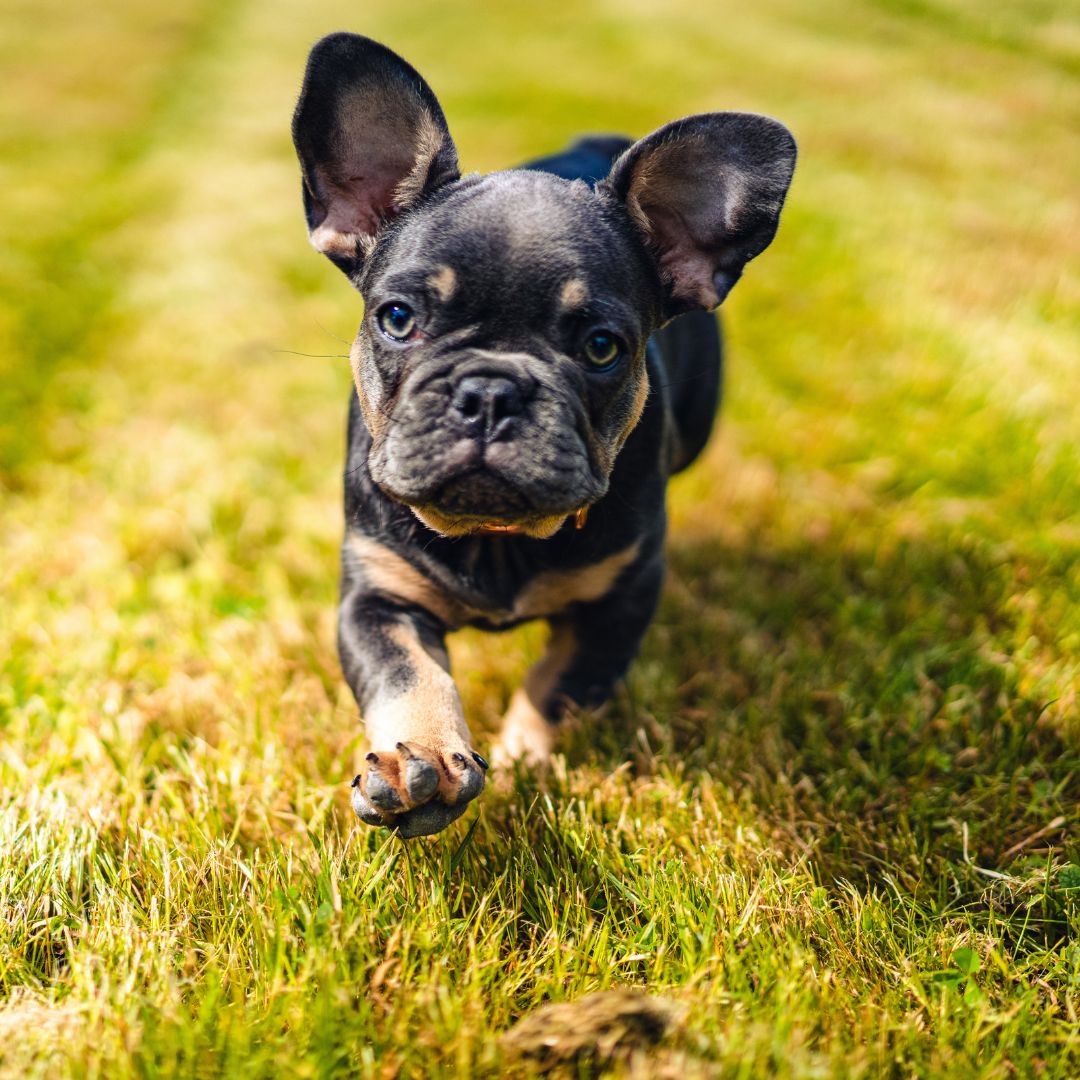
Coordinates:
[641,395]
[375,419]
[537,528]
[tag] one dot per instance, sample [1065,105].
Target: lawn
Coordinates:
[832,818]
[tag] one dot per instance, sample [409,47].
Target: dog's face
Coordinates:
[501,361]
[500,365]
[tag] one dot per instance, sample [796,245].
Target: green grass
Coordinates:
[834,812]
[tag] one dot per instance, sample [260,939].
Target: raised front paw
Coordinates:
[416,790]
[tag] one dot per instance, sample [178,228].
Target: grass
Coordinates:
[833,815]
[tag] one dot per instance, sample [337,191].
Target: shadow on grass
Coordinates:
[865,695]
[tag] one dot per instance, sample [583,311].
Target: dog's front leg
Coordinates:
[421,771]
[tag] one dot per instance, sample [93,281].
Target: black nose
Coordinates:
[488,404]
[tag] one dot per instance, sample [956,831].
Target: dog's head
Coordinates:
[500,365]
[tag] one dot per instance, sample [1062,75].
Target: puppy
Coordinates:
[537,356]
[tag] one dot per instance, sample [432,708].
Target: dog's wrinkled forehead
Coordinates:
[528,240]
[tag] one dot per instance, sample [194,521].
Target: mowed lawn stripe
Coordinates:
[85,104]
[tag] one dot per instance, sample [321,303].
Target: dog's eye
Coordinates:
[602,349]
[396,320]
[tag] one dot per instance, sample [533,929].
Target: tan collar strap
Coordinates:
[494,529]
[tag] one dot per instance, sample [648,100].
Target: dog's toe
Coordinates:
[421,772]
[362,808]
[382,783]
[470,777]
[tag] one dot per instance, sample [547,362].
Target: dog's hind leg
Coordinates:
[591,647]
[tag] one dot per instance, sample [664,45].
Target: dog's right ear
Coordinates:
[371,139]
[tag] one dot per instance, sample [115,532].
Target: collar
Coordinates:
[491,528]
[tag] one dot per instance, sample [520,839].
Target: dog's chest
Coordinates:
[462,600]
[554,591]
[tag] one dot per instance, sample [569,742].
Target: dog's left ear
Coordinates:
[371,139]
[706,192]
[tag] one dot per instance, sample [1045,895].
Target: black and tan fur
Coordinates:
[482,440]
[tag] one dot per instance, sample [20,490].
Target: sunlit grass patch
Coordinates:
[831,818]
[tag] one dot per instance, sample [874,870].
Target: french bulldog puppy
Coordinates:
[537,356]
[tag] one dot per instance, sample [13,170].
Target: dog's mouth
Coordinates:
[483,503]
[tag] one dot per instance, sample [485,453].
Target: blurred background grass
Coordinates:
[867,660]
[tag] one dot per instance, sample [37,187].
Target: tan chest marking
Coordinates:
[555,590]
[388,572]
[547,594]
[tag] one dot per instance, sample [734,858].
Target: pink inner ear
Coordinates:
[358,204]
[355,208]
[688,268]
[379,146]
[691,274]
